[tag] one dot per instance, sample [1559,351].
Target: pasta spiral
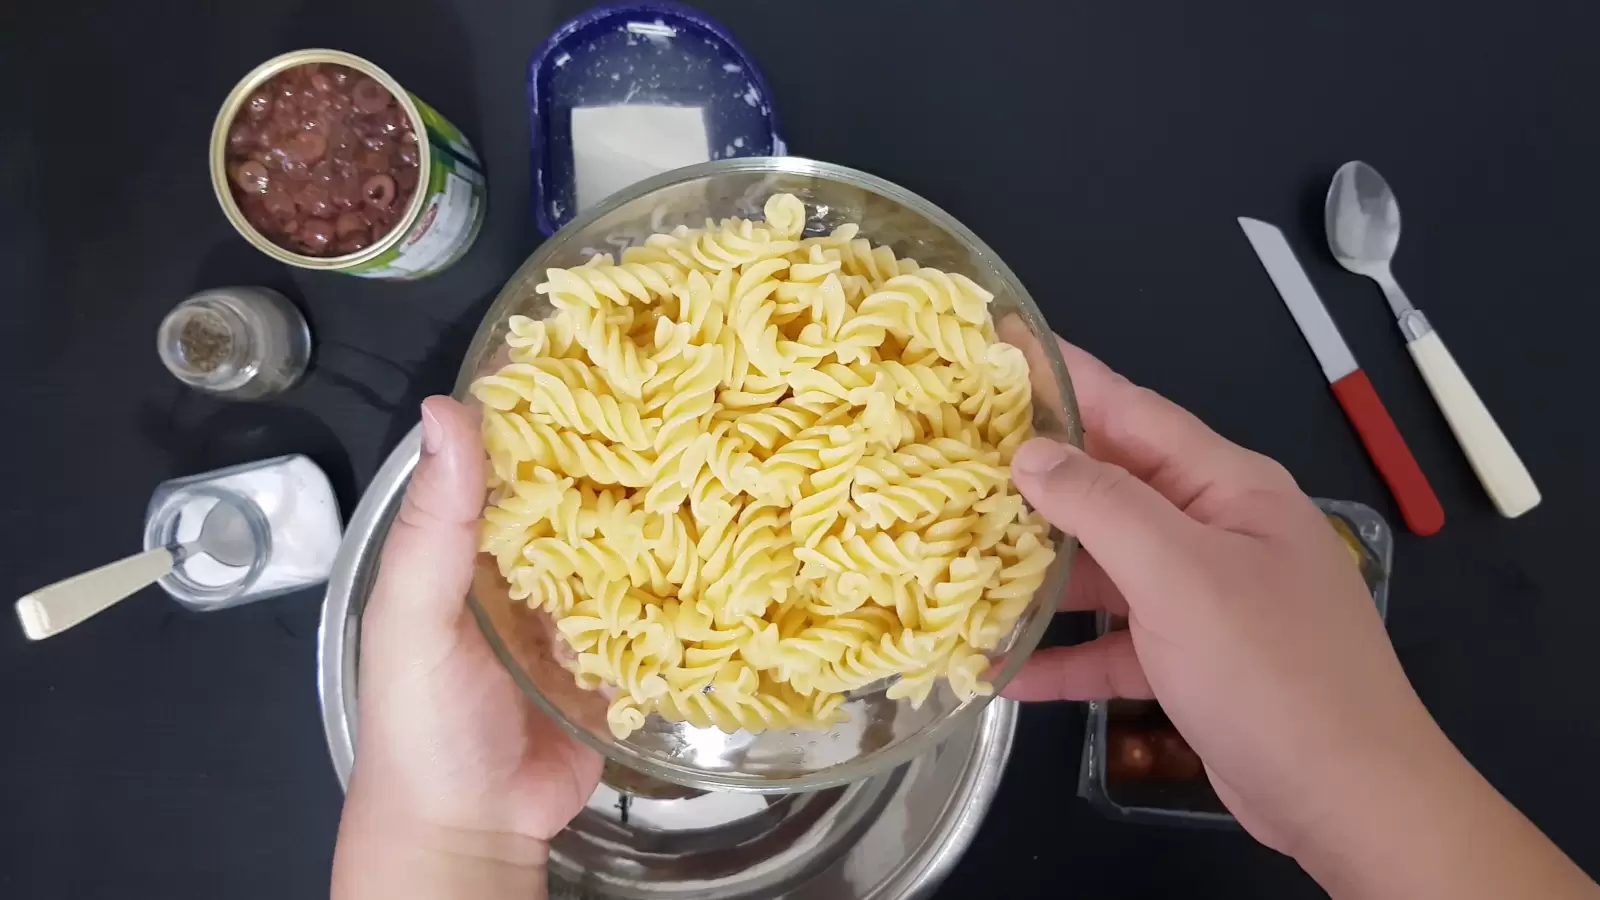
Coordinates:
[583,410]
[786,216]
[748,472]
[595,285]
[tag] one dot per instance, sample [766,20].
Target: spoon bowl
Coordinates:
[1362,218]
[225,536]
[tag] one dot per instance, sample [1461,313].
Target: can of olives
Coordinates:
[323,161]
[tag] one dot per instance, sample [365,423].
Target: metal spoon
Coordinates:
[1363,223]
[225,535]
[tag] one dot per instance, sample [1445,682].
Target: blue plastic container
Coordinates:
[640,55]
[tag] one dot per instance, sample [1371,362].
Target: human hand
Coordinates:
[1249,623]
[455,769]
[1246,618]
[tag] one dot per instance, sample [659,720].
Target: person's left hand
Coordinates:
[451,758]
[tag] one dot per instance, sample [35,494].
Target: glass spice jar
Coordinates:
[293,517]
[238,342]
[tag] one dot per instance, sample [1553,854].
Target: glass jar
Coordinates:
[293,517]
[238,342]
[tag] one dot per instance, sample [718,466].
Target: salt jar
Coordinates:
[293,517]
[238,342]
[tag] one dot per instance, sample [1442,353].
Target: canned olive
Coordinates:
[323,161]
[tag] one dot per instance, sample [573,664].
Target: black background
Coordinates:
[1103,149]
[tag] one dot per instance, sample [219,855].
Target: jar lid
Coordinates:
[624,92]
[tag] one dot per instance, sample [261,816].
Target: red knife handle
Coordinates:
[1418,504]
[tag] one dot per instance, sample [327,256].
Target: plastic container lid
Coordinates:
[626,91]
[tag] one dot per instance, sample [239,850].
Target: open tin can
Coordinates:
[441,219]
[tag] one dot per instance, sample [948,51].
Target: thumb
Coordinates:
[1133,532]
[428,557]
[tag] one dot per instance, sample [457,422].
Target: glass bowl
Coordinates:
[880,733]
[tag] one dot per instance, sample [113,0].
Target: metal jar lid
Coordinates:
[888,837]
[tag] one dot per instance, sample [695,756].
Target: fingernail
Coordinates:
[432,432]
[1039,456]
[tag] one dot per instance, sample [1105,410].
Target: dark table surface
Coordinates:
[1103,149]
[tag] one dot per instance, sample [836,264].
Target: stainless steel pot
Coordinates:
[891,836]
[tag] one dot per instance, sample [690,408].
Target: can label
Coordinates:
[450,216]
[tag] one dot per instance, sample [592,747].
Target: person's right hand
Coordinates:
[1251,625]
[1246,616]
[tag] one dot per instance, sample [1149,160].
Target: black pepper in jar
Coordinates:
[240,342]
[205,342]
[323,160]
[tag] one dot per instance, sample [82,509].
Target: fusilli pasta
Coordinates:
[748,472]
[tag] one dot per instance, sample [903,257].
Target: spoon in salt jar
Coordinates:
[225,536]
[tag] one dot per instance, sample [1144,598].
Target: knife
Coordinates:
[1419,506]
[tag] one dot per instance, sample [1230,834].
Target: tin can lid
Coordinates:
[626,91]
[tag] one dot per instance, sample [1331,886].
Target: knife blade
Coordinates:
[1419,506]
